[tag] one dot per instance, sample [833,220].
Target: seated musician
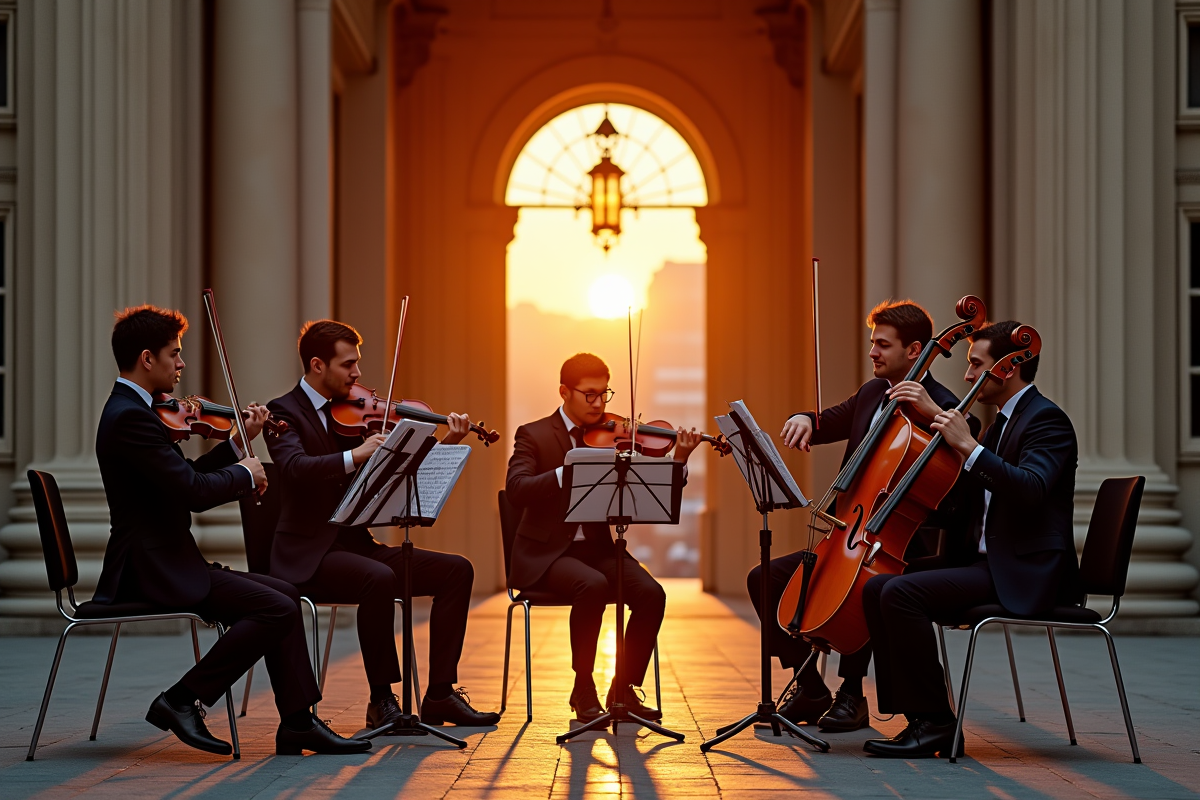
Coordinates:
[899,331]
[332,564]
[1021,488]
[151,556]
[577,562]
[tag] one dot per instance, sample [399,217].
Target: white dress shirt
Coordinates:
[319,401]
[149,401]
[1007,410]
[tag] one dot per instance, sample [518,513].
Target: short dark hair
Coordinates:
[141,328]
[319,338]
[580,366]
[998,335]
[910,320]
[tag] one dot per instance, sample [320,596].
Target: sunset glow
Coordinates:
[610,296]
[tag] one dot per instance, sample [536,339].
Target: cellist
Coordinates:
[1020,481]
[899,332]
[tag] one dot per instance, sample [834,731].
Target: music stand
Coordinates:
[772,487]
[644,491]
[369,501]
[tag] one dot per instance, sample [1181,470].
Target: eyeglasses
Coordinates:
[590,397]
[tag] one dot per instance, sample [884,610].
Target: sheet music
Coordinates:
[436,478]
[652,492]
[767,447]
[409,431]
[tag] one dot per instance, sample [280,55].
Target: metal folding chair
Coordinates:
[509,518]
[62,571]
[1103,569]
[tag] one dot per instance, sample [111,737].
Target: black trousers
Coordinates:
[791,651]
[370,574]
[900,610]
[262,619]
[586,575]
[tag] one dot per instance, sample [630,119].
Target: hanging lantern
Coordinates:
[606,200]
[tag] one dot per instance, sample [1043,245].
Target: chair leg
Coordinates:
[416,679]
[822,660]
[657,680]
[112,649]
[1112,655]
[507,650]
[316,640]
[1012,666]
[246,693]
[1062,687]
[962,696]
[195,642]
[328,644]
[37,729]
[233,734]
[528,669]
[945,666]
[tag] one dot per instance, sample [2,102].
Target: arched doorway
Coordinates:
[571,282]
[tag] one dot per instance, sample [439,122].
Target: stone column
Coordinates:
[939,161]
[879,152]
[109,202]
[255,244]
[1075,211]
[316,163]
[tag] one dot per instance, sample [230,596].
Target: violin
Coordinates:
[362,413]
[655,438]
[868,473]
[917,480]
[200,416]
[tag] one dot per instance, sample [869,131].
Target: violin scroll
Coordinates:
[1030,343]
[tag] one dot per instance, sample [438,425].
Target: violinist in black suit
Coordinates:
[332,564]
[578,562]
[1021,482]
[151,556]
[899,332]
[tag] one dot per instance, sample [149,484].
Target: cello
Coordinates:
[914,478]
[862,479]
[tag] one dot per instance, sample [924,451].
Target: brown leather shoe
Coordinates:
[456,708]
[633,703]
[586,704]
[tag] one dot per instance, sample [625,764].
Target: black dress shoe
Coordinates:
[802,709]
[633,703]
[848,713]
[384,712]
[187,723]
[920,739]
[456,708]
[586,704]
[319,739]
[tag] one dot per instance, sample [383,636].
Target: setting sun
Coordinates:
[610,296]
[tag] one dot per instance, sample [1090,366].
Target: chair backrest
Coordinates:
[259,521]
[1105,562]
[61,569]
[510,517]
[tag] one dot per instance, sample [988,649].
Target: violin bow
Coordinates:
[387,410]
[210,307]
[816,314]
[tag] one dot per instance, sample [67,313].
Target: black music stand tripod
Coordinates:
[758,478]
[622,468]
[409,724]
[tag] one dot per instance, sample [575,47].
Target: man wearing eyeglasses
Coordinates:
[577,563]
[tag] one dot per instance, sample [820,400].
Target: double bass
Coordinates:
[875,466]
[922,474]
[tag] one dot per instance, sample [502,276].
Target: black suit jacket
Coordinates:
[1030,537]
[313,475]
[152,491]
[532,487]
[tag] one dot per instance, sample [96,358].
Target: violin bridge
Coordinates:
[832,520]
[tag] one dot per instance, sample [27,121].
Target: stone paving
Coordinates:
[710,677]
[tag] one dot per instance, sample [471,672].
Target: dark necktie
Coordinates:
[996,433]
[577,436]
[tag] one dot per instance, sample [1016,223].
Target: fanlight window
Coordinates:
[553,169]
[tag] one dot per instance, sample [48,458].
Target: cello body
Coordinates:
[846,559]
